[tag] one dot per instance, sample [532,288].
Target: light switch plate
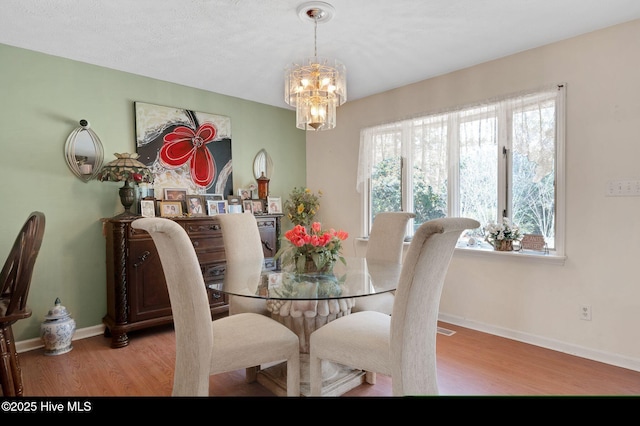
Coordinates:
[623,188]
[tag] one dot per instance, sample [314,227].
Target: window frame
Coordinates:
[404,126]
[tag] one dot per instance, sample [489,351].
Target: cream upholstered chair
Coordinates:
[402,345]
[242,244]
[386,241]
[205,347]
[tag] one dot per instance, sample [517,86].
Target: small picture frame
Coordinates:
[258,206]
[235,208]
[175,194]
[247,205]
[275,280]
[234,200]
[274,205]
[148,208]
[214,197]
[212,207]
[223,206]
[195,205]
[170,208]
[244,194]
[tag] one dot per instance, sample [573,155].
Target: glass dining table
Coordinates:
[306,301]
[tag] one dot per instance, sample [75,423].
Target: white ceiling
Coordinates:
[240,47]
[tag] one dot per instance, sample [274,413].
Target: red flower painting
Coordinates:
[186,145]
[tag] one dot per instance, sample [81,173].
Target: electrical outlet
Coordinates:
[585,312]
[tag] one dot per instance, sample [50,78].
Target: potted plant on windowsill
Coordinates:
[502,236]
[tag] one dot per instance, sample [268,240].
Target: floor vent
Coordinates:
[446,331]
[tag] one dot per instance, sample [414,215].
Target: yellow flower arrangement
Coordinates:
[302,206]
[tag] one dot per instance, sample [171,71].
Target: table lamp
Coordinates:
[125,168]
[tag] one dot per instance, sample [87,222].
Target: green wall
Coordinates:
[43,98]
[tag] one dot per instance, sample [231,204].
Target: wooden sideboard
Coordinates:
[137,295]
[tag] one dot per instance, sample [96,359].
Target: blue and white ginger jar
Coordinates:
[57,330]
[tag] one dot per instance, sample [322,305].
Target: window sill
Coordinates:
[484,250]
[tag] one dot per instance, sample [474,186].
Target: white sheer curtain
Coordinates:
[365,158]
[380,143]
[502,156]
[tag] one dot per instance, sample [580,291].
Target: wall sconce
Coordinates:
[83,152]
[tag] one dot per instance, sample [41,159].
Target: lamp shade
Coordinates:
[125,167]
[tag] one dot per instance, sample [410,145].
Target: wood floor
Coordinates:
[470,363]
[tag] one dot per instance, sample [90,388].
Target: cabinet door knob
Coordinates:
[214,227]
[196,243]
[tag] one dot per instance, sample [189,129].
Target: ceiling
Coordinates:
[240,47]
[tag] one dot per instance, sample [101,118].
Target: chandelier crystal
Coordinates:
[316,86]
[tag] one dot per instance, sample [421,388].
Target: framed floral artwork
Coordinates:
[185,148]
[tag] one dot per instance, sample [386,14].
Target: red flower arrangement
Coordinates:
[314,248]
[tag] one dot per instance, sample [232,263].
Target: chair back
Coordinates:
[241,237]
[189,301]
[386,238]
[245,260]
[16,274]
[415,310]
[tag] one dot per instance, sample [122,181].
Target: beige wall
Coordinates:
[42,100]
[532,301]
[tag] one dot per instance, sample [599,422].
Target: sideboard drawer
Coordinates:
[200,227]
[203,244]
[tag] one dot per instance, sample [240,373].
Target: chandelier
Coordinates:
[316,86]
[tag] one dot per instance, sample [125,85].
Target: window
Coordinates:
[501,158]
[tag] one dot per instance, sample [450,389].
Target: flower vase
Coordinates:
[503,245]
[311,268]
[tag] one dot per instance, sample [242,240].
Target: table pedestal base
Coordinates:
[337,379]
[304,317]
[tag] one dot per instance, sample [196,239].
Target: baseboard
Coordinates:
[600,356]
[82,333]
[582,352]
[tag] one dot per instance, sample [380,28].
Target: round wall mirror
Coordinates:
[83,152]
[262,164]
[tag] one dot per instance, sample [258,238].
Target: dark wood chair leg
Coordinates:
[15,278]
[16,371]
[6,376]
